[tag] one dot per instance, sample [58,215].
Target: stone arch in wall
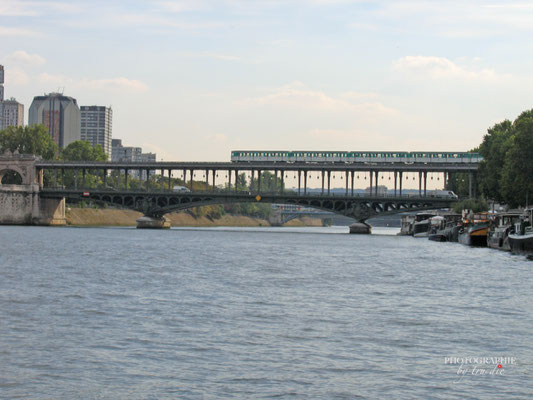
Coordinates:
[11,177]
[17,169]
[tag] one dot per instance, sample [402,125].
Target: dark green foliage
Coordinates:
[83,151]
[517,174]
[32,139]
[496,143]
[476,205]
[506,172]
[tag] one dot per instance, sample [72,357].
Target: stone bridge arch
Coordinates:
[21,164]
[20,202]
[15,172]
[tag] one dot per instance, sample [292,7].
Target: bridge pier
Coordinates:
[360,228]
[21,205]
[146,222]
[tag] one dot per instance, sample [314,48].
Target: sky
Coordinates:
[194,79]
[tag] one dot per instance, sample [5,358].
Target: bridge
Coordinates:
[283,213]
[111,183]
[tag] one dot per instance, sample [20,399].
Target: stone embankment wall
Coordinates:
[115,217]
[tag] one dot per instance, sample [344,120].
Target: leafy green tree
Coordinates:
[517,173]
[81,150]
[496,143]
[32,139]
[476,205]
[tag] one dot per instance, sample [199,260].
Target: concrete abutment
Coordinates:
[146,222]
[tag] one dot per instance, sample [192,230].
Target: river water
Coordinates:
[237,313]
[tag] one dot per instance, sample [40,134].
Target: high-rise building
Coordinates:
[12,114]
[97,126]
[1,83]
[148,157]
[11,111]
[61,116]
[1,97]
[122,153]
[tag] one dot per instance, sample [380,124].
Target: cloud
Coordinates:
[7,31]
[297,95]
[12,8]
[443,68]
[120,83]
[217,138]
[16,76]
[22,57]
[179,6]
[216,56]
[17,8]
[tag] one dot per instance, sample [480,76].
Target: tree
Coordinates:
[517,174]
[459,184]
[496,143]
[32,139]
[81,150]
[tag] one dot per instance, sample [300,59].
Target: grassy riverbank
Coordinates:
[114,217]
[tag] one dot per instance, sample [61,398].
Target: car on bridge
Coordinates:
[443,193]
[180,189]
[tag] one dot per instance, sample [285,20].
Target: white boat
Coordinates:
[521,240]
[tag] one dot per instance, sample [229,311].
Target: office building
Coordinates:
[61,116]
[120,153]
[12,113]
[97,126]
[1,83]
[148,157]
[1,97]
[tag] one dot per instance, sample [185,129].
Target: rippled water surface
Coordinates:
[310,313]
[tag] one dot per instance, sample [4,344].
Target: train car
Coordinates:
[347,157]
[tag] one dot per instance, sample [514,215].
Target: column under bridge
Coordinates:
[207,183]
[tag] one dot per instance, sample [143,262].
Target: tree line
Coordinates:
[506,173]
[35,139]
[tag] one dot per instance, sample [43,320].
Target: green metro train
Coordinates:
[355,156]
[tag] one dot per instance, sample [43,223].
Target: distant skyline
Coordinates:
[194,79]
